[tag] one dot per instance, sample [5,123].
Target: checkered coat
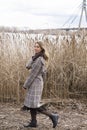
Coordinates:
[34,82]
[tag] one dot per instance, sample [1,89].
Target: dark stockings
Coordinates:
[33,112]
[53,117]
[43,111]
[33,122]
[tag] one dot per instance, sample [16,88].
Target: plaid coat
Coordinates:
[34,82]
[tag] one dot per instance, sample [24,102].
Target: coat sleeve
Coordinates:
[33,74]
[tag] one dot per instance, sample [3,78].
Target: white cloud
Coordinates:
[37,13]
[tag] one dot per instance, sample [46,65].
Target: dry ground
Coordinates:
[72,116]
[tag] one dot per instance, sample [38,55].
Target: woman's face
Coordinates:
[37,48]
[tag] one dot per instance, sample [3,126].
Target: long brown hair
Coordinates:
[45,54]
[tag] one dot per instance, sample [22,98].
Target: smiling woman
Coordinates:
[34,85]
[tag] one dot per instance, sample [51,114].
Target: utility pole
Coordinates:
[83,9]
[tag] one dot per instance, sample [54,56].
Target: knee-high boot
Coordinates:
[33,122]
[54,117]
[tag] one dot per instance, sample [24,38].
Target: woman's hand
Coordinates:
[24,88]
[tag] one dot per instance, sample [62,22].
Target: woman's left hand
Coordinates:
[24,88]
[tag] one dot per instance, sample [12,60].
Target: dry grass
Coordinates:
[67,67]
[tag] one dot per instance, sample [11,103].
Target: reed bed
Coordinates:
[66,69]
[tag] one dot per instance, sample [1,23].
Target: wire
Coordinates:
[72,16]
[73,20]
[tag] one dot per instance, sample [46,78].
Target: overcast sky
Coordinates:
[38,14]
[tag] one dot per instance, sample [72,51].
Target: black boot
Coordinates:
[54,118]
[33,123]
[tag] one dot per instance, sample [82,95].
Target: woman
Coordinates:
[34,85]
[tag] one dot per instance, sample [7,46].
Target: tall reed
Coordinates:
[67,66]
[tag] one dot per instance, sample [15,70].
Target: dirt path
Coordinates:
[72,116]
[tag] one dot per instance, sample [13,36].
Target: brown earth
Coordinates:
[72,116]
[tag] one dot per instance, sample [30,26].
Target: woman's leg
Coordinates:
[33,113]
[24,108]
[52,116]
[33,123]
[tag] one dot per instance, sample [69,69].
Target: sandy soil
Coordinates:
[72,116]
